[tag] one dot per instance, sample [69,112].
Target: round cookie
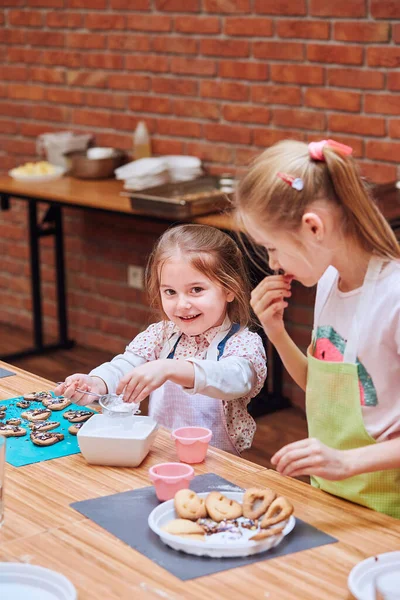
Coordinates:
[188,505]
[39,414]
[46,439]
[219,507]
[3,408]
[2,414]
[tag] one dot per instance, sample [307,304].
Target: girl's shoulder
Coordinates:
[245,336]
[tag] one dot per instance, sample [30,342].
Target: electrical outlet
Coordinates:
[136,277]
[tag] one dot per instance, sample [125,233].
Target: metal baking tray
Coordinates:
[183,200]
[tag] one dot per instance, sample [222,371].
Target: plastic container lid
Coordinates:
[21,581]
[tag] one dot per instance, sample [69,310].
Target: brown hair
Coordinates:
[211,252]
[263,195]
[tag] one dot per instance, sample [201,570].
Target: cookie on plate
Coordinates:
[46,439]
[77,416]
[39,414]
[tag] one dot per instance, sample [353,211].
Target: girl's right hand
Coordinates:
[268,302]
[80,381]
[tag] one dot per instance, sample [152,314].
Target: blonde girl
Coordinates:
[200,364]
[309,207]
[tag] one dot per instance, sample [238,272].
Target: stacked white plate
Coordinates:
[143,173]
[183,168]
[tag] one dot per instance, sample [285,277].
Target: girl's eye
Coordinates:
[197,290]
[169,292]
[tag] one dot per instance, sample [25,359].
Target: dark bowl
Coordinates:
[82,167]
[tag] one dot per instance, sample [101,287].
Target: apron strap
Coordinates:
[323,292]
[221,346]
[366,299]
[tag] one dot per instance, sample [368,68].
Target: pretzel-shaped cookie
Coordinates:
[279,510]
[256,502]
[219,507]
[266,533]
[188,505]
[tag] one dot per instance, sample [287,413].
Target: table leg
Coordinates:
[50,225]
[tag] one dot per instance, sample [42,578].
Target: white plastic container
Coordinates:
[112,442]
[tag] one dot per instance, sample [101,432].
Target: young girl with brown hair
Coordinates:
[308,206]
[197,279]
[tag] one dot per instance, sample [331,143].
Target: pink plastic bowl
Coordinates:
[169,478]
[191,443]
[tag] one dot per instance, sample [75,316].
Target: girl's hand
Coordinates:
[83,382]
[311,457]
[143,380]
[268,302]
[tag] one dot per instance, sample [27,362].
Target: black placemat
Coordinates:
[125,516]
[5,373]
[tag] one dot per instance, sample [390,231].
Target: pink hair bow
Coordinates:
[315,148]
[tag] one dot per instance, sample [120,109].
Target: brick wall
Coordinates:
[221,79]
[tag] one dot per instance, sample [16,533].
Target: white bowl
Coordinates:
[115,442]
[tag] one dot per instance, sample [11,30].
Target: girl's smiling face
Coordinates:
[190,299]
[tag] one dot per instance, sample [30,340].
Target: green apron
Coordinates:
[334,412]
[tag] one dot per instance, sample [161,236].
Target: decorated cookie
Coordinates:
[3,408]
[14,422]
[73,429]
[77,416]
[56,403]
[39,414]
[11,430]
[43,426]
[46,439]
[37,396]
[23,404]
[2,414]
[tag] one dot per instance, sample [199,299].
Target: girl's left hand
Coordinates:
[143,380]
[311,457]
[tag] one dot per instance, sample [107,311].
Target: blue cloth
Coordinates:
[20,451]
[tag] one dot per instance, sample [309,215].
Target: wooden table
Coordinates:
[42,529]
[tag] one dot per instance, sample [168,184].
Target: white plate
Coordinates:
[165,512]
[362,576]
[21,581]
[58,172]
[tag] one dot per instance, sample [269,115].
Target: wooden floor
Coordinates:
[273,430]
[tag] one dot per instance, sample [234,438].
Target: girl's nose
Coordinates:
[183,302]
[274,264]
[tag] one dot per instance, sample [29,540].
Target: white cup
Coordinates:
[387,585]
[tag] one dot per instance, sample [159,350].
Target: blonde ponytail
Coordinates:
[362,216]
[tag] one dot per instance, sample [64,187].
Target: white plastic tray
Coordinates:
[362,576]
[20,581]
[165,512]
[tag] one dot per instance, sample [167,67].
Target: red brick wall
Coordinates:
[221,79]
